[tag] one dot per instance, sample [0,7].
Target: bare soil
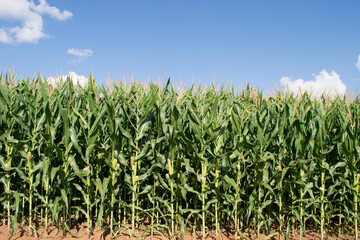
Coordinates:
[81,233]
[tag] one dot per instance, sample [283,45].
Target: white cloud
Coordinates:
[53,12]
[4,37]
[77,79]
[80,53]
[324,83]
[358,63]
[31,29]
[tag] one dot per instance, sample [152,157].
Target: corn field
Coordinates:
[166,161]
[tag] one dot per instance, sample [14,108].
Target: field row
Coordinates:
[177,160]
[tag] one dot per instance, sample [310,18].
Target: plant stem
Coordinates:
[258,216]
[8,182]
[134,188]
[203,189]
[46,202]
[152,215]
[113,162]
[340,227]
[356,186]
[29,158]
[237,193]
[302,173]
[322,189]
[88,206]
[281,216]
[171,171]
[217,174]
[8,207]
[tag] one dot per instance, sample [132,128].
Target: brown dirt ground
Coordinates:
[22,233]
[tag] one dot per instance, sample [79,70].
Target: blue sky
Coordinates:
[266,43]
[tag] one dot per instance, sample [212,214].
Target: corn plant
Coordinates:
[135,156]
